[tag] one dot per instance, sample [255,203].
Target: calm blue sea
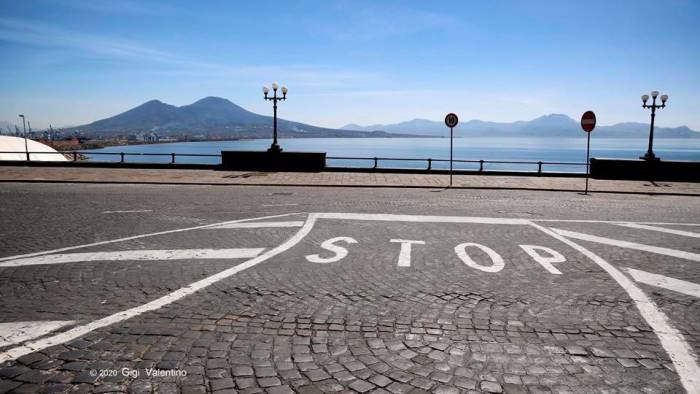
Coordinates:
[501,149]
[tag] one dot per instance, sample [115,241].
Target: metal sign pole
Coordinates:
[451,121]
[588,121]
[588,160]
[451,138]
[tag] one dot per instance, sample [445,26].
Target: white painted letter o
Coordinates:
[497,260]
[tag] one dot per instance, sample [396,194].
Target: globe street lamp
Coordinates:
[24,127]
[275,148]
[649,156]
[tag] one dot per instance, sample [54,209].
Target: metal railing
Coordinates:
[75,155]
[374,163]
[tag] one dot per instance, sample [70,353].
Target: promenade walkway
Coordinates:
[349,179]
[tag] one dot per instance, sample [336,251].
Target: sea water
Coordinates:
[553,150]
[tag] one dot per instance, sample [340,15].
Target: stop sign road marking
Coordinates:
[671,339]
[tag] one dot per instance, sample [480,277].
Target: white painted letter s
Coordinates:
[329,244]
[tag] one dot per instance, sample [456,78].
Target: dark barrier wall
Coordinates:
[265,161]
[660,170]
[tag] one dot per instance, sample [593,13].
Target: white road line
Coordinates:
[677,285]
[673,342]
[77,332]
[280,205]
[131,255]
[259,225]
[419,218]
[138,236]
[660,229]
[132,211]
[613,222]
[19,331]
[629,245]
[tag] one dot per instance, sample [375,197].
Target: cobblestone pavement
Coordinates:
[367,179]
[280,290]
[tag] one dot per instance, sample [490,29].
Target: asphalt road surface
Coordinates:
[198,289]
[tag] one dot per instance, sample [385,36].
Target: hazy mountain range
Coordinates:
[554,125]
[210,116]
[216,117]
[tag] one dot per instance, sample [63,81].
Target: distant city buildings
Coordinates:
[149,137]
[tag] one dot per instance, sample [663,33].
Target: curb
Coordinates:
[352,186]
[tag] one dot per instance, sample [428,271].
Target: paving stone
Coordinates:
[465,383]
[380,380]
[224,391]
[242,370]
[316,375]
[244,383]
[628,362]
[490,387]
[576,350]
[599,352]
[423,383]
[650,364]
[539,390]
[221,384]
[511,388]
[269,382]
[344,376]
[284,389]
[12,371]
[7,385]
[354,366]
[399,388]
[443,389]
[361,386]
[29,388]
[441,376]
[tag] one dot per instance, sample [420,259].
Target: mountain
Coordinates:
[212,117]
[553,125]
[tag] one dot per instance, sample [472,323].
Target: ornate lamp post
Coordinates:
[275,148]
[649,156]
[24,127]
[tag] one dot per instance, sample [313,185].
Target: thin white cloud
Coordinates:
[367,21]
[41,34]
[116,49]
[135,7]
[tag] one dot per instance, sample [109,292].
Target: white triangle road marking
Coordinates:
[20,331]
[629,245]
[111,241]
[672,340]
[677,285]
[660,229]
[131,255]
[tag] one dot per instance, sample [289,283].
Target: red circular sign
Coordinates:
[588,121]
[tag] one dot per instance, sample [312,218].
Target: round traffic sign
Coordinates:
[588,121]
[451,120]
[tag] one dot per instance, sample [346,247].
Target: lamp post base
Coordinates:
[650,156]
[274,148]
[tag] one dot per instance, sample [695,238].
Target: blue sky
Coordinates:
[74,61]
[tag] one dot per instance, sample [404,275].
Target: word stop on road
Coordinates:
[544,256]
